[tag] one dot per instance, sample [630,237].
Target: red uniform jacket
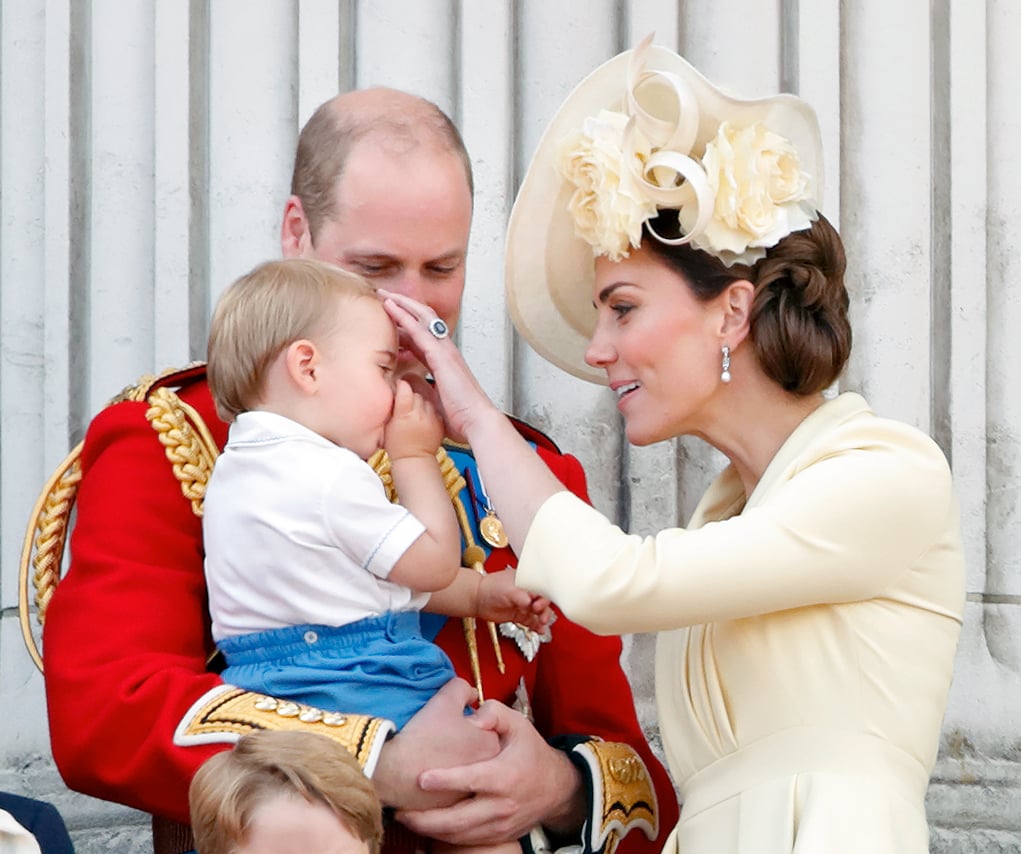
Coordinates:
[127,637]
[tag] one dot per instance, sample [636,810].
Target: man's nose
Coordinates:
[409,283]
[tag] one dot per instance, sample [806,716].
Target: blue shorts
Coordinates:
[380,666]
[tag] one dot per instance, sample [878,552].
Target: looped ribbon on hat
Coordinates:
[671,178]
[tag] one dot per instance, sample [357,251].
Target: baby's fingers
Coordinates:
[404,398]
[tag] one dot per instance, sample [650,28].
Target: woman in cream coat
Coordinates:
[667,240]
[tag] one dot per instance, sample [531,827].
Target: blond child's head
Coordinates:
[284,791]
[264,311]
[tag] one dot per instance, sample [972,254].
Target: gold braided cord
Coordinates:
[46,535]
[51,535]
[49,522]
[380,462]
[188,444]
[454,482]
[452,478]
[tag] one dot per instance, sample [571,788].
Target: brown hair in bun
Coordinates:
[799,323]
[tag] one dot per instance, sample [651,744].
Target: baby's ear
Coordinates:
[301,359]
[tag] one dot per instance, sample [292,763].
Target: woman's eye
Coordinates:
[620,309]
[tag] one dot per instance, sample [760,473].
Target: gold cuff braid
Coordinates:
[623,797]
[225,714]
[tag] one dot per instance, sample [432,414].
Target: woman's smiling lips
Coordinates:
[623,389]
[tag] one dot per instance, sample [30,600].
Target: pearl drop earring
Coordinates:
[725,372]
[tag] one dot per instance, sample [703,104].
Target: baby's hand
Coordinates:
[501,601]
[414,429]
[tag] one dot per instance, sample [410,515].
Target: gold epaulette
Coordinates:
[144,384]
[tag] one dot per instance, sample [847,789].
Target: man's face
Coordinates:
[402,222]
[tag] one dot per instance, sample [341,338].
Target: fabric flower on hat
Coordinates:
[608,204]
[738,191]
[760,191]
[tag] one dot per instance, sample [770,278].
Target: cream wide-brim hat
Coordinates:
[549,268]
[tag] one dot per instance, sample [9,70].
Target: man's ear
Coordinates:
[295,234]
[736,302]
[301,359]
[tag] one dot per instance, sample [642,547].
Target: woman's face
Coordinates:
[660,347]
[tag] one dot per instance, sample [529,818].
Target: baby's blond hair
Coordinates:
[276,304]
[230,786]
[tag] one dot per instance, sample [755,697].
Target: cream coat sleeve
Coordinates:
[853,510]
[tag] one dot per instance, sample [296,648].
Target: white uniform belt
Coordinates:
[805,750]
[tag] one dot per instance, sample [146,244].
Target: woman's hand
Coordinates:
[462,399]
[527,783]
[517,480]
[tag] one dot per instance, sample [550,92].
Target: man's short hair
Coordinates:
[230,786]
[276,304]
[330,135]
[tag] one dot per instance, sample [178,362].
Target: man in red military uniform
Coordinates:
[382,186]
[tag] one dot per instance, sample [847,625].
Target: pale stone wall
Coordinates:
[144,158]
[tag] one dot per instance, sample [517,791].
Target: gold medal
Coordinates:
[490,527]
[492,530]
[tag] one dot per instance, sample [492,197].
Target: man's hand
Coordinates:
[528,783]
[437,736]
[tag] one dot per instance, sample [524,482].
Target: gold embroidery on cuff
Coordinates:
[236,712]
[623,795]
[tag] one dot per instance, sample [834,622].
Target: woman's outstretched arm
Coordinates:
[517,481]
